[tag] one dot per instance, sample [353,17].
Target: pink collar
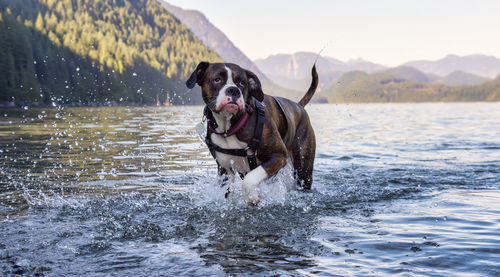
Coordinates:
[233,130]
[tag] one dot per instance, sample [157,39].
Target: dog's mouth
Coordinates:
[229,107]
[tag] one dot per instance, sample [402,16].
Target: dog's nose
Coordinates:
[233,92]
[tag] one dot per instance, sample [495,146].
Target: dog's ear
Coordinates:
[254,86]
[197,75]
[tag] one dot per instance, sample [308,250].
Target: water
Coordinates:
[399,189]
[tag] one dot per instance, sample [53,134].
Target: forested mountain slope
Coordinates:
[95,52]
[361,87]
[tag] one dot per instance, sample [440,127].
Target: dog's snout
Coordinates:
[233,92]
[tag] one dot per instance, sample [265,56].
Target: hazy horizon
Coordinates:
[387,32]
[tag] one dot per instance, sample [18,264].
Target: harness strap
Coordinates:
[257,135]
[252,145]
[232,152]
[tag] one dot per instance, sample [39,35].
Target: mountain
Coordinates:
[293,70]
[456,78]
[298,65]
[481,65]
[409,73]
[86,52]
[460,78]
[214,38]
[361,87]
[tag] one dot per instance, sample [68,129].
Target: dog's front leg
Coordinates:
[259,174]
[224,177]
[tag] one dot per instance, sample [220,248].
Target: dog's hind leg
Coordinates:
[303,157]
[303,163]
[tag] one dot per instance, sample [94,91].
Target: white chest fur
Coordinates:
[230,163]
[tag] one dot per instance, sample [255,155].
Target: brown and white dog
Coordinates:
[230,93]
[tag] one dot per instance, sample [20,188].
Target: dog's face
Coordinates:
[226,87]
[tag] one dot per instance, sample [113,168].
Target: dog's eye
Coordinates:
[242,83]
[217,80]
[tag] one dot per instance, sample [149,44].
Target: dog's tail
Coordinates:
[312,88]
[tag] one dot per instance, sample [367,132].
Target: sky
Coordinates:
[388,32]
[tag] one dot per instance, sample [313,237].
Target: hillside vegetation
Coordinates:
[95,52]
[360,87]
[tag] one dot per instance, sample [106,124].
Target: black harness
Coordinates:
[252,145]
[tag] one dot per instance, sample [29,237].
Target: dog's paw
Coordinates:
[251,196]
[250,191]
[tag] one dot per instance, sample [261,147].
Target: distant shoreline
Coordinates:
[10,106]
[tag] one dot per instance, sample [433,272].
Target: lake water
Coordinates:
[399,189]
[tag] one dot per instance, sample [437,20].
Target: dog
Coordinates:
[253,134]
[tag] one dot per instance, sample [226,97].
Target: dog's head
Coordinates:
[225,87]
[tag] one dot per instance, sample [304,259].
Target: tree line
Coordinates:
[95,52]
